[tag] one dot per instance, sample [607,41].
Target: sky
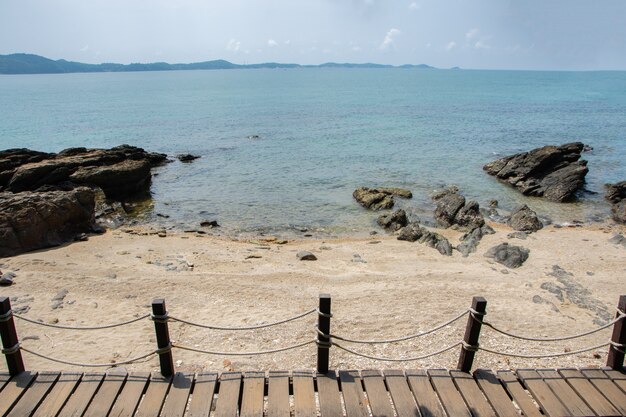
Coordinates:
[490,34]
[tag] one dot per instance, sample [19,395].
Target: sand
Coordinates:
[380,288]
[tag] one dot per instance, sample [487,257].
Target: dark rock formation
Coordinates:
[508,255]
[524,219]
[187,157]
[379,198]
[552,172]
[453,210]
[306,256]
[393,221]
[413,232]
[616,194]
[30,221]
[120,171]
[470,240]
[209,223]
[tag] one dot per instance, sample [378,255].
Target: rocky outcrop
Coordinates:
[452,210]
[553,172]
[187,157]
[524,219]
[616,194]
[413,232]
[393,221]
[121,171]
[30,221]
[508,255]
[469,241]
[379,198]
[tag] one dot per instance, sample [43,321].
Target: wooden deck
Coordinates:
[562,392]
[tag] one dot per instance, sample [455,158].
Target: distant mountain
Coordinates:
[35,64]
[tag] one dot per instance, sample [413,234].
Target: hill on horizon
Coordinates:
[23,63]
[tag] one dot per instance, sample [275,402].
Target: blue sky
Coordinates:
[505,34]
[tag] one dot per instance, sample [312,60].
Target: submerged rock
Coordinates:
[379,198]
[524,219]
[553,172]
[508,255]
[393,221]
[187,157]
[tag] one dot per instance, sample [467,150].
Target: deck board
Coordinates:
[349,393]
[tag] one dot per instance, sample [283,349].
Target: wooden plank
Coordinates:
[566,394]
[519,394]
[176,401]
[495,393]
[104,399]
[253,394]
[603,383]
[401,394]
[353,396]
[426,397]
[14,389]
[202,395]
[154,397]
[4,378]
[377,395]
[131,394]
[58,395]
[329,396]
[304,394]
[278,394]
[618,377]
[473,396]
[450,397]
[35,394]
[541,392]
[81,397]
[227,404]
[585,389]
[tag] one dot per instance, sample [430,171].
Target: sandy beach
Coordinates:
[380,287]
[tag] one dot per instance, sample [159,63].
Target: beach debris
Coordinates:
[452,210]
[187,157]
[524,219]
[518,235]
[379,198]
[253,256]
[508,255]
[553,172]
[209,223]
[616,194]
[306,256]
[618,239]
[393,221]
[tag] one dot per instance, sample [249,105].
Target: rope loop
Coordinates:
[323,344]
[475,313]
[321,314]
[470,348]
[11,350]
[165,349]
[620,347]
[6,316]
[163,318]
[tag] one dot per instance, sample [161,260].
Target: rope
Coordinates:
[554,339]
[546,355]
[260,326]
[6,316]
[416,358]
[400,339]
[620,347]
[160,318]
[11,350]
[106,326]
[322,314]
[263,352]
[89,365]
[470,348]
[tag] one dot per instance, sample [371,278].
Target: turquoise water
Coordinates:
[323,133]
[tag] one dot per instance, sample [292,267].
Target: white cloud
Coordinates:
[481,45]
[450,46]
[414,6]
[272,43]
[233,45]
[471,34]
[389,41]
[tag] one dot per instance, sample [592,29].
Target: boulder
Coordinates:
[379,198]
[448,205]
[553,172]
[470,240]
[393,221]
[411,233]
[524,219]
[452,210]
[125,178]
[616,194]
[30,221]
[508,255]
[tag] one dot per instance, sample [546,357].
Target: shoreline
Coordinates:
[392,288]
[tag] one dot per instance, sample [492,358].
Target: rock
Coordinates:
[443,246]
[615,192]
[618,239]
[118,180]
[30,221]
[448,205]
[452,210]
[379,198]
[518,235]
[60,296]
[619,212]
[411,233]
[306,256]
[5,281]
[9,274]
[187,157]
[394,221]
[553,172]
[82,237]
[524,219]
[493,203]
[508,255]
[358,259]
[469,216]
[470,240]
[253,137]
[209,223]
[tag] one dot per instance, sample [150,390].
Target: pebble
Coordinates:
[5,281]
[60,295]
[306,256]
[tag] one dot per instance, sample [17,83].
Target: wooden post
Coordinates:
[472,331]
[10,342]
[615,359]
[159,316]
[323,342]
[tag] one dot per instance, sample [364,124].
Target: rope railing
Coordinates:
[410,359]
[543,355]
[61,326]
[242,328]
[91,365]
[257,353]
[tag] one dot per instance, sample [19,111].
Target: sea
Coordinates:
[282,150]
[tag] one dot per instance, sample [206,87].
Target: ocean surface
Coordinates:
[323,133]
